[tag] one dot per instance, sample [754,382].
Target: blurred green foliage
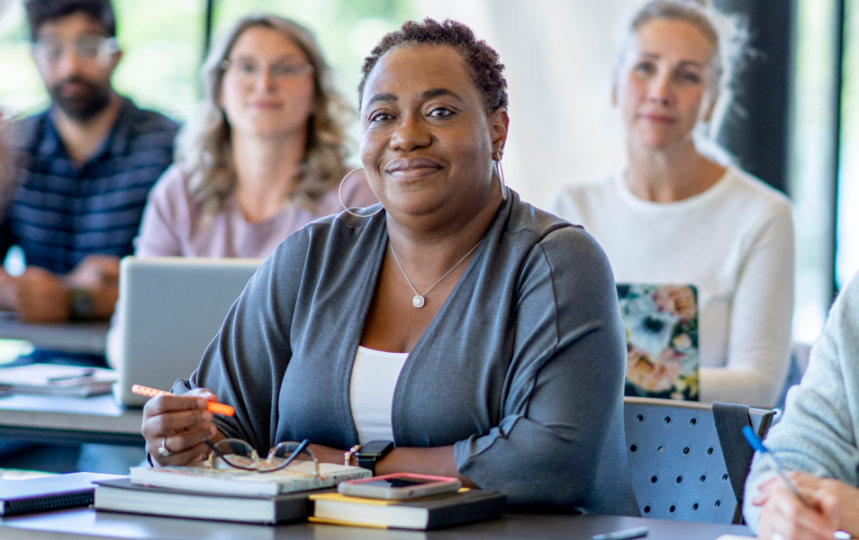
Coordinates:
[162,43]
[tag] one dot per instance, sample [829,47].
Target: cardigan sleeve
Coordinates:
[560,440]
[245,362]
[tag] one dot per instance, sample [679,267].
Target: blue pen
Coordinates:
[637,532]
[758,445]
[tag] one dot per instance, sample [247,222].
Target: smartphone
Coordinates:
[399,486]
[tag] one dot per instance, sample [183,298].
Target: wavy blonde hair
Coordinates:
[205,142]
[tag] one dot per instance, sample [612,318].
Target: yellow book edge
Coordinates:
[332,521]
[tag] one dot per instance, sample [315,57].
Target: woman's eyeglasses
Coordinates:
[239,454]
[247,70]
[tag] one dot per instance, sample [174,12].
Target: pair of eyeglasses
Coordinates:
[87,47]
[239,454]
[247,70]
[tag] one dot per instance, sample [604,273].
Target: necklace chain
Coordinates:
[418,300]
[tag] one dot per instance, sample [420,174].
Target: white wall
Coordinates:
[563,128]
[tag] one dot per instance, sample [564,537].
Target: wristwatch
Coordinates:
[80,304]
[372,452]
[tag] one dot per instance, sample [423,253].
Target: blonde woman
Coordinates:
[675,215]
[263,157]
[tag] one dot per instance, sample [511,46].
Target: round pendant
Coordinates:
[418,301]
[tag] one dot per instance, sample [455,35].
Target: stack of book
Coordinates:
[282,496]
[57,380]
[222,494]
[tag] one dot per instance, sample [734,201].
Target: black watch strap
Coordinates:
[80,304]
[371,453]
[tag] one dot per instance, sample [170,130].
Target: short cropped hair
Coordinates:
[41,11]
[481,60]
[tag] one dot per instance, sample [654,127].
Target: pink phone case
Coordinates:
[376,487]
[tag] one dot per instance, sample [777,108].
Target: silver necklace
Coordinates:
[418,300]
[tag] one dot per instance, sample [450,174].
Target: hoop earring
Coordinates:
[496,161]
[340,198]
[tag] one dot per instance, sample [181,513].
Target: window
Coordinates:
[812,160]
[162,54]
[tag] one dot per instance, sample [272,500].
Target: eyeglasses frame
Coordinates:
[107,46]
[302,447]
[303,69]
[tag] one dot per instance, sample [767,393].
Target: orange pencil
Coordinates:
[213,406]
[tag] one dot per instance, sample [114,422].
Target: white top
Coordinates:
[371,392]
[735,243]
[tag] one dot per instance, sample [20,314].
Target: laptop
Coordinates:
[170,309]
[661,323]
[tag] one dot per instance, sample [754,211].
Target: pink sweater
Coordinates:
[174,225]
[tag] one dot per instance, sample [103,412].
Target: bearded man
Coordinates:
[81,170]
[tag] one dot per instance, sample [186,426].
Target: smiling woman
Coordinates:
[262,156]
[433,321]
[654,217]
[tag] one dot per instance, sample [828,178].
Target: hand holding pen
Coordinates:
[213,406]
[758,445]
[176,427]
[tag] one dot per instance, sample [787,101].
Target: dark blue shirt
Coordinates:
[61,211]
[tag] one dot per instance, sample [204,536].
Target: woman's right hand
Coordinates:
[784,516]
[174,427]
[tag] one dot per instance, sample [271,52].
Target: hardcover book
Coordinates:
[123,496]
[443,510]
[298,476]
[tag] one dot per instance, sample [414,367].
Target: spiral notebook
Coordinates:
[661,323]
[48,492]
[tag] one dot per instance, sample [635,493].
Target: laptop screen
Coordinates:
[661,323]
[170,309]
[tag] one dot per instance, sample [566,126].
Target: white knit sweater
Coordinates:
[734,242]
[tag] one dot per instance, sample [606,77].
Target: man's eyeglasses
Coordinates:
[239,454]
[247,70]
[88,47]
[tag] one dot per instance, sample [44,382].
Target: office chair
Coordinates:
[676,456]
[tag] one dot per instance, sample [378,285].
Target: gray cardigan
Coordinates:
[819,433]
[521,369]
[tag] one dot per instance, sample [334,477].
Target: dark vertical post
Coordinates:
[755,130]
[207,35]
[838,89]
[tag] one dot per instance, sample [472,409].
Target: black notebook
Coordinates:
[48,492]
